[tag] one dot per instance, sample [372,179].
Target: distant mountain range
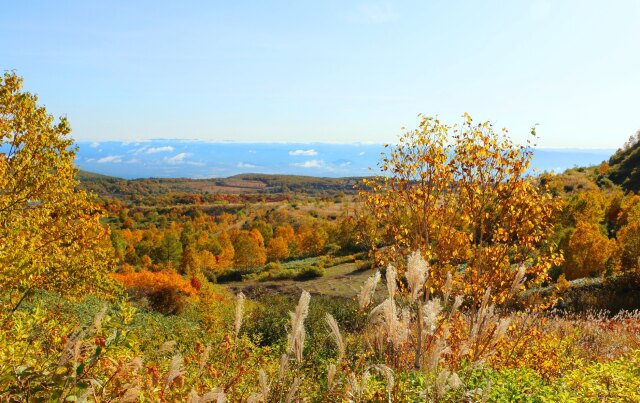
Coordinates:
[201,159]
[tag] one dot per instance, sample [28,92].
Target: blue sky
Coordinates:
[330,71]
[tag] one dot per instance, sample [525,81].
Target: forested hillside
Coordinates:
[625,165]
[240,184]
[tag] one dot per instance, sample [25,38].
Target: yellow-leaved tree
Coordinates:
[461,195]
[50,236]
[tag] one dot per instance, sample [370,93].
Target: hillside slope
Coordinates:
[240,184]
[625,165]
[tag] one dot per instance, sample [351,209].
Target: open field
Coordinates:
[344,280]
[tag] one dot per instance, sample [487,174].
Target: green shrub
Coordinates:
[272,266]
[617,380]
[309,272]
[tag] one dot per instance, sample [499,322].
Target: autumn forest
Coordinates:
[455,272]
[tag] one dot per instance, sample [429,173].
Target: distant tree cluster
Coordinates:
[203,247]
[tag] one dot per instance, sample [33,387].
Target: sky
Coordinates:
[330,71]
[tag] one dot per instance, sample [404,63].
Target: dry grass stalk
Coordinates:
[264,384]
[518,282]
[438,349]
[131,395]
[204,357]
[167,347]
[239,313]
[335,333]
[446,380]
[135,364]
[357,388]
[72,349]
[331,375]
[388,375]
[430,314]
[293,391]
[417,273]
[391,278]
[446,291]
[297,334]
[368,290]
[284,367]
[96,326]
[175,370]
[217,396]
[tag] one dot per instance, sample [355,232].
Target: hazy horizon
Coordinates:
[208,159]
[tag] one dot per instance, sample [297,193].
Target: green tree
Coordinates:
[169,250]
[629,245]
[266,230]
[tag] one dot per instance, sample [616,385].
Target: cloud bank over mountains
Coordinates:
[201,159]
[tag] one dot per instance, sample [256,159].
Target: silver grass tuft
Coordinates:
[298,333]
[175,370]
[518,281]
[430,313]
[417,272]
[284,367]
[391,278]
[237,324]
[368,290]
[131,395]
[293,390]
[331,375]
[204,357]
[447,287]
[167,347]
[335,333]
[264,384]
[388,375]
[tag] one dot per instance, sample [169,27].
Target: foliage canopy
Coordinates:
[461,195]
[49,230]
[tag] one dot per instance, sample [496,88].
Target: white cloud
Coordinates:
[310,164]
[245,165]
[135,142]
[377,13]
[154,150]
[307,153]
[110,158]
[361,153]
[95,144]
[133,161]
[177,159]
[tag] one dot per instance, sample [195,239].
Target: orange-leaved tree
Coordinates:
[278,249]
[587,251]
[461,195]
[166,291]
[50,237]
